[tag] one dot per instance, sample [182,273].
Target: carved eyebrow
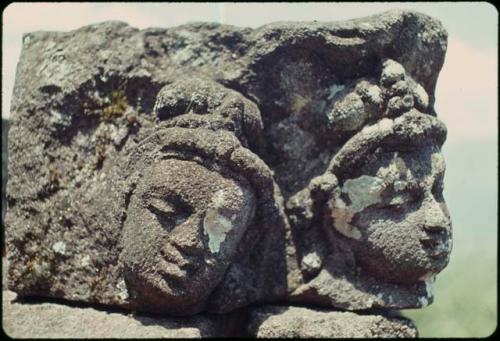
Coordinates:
[165,200]
[169,209]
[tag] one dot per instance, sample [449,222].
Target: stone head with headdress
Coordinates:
[202,210]
[380,206]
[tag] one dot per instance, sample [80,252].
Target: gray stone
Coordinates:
[385,230]
[299,322]
[51,320]
[205,168]
[201,216]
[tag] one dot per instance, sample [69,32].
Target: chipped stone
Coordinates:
[59,247]
[311,262]
[363,191]
[231,174]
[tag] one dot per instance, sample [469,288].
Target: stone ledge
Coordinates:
[50,320]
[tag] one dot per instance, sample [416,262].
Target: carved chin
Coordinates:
[409,272]
[164,292]
[182,284]
[439,260]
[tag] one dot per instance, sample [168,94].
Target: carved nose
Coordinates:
[434,218]
[172,254]
[186,238]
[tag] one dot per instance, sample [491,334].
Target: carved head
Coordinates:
[190,208]
[388,205]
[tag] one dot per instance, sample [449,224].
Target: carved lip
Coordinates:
[177,261]
[171,270]
[436,244]
[440,251]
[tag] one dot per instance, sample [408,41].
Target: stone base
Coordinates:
[51,320]
[297,322]
[28,319]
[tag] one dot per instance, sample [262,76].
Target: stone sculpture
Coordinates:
[380,210]
[208,168]
[203,205]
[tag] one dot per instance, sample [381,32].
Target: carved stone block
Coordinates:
[206,167]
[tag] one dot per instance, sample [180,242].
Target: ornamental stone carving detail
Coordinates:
[207,168]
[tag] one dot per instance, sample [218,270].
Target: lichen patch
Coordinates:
[215,224]
[216,227]
[438,164]
[334,89]
[311,262]
[363,191]
[60,248]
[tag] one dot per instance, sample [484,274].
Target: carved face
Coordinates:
[183,225]
[394,216]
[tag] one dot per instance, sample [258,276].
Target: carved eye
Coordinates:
[402,194]
[169,212]
[164,211]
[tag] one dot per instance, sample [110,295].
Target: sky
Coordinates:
[466,93]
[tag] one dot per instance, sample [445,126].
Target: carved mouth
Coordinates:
[170,270]
[177,262]
[176,269]
[436,244]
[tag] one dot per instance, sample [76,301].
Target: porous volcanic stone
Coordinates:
[299,322]
[206,167]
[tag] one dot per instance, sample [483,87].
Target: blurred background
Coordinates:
[465,302]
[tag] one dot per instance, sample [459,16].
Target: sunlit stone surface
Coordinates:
[206,168]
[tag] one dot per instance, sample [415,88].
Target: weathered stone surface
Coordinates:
[31,319]
[203,217]
[376,219]
[208,167]
[52,320]
[299,322]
